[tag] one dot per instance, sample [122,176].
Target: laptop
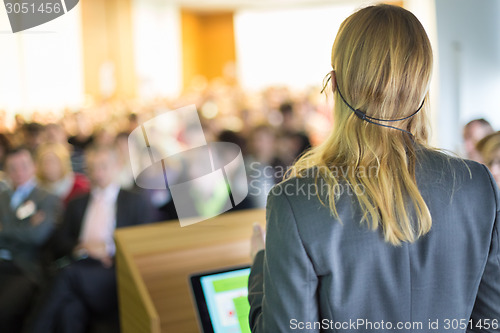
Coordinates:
[220,297]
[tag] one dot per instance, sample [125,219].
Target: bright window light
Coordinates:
[287,46]
[41,67]
[157,48]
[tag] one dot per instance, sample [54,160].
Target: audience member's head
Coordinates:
[83,126]
[133,122]
[19,166]
[4,148]
[54,133]
[53,163]
[104,136]
[286,110]
[474,131]
[19,121]
[263,143]
[233,137]
[292,145]
[121,143]
[33,135]
[102,165]
[489,149]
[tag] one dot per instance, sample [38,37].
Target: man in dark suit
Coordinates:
[27,219]
[86,288]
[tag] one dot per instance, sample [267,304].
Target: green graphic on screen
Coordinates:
[242,308]
[227,303]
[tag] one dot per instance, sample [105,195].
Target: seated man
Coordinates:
[27,219]
[86,288]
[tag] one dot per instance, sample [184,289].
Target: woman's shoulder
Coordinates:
[443,161]
[308,176]
[442,172]
[297,190]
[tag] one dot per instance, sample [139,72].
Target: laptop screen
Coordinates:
[221,299]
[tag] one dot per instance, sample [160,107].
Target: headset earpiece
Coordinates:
[361,115]
[372,120]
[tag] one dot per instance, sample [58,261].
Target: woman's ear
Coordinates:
[329,78]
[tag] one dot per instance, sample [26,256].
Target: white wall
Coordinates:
[41,68]
[157,47]
[286,46]
[425,11]
[469,65]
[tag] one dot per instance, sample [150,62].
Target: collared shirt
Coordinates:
[21,193]
[99,221]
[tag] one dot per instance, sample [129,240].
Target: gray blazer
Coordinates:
[22,239]
[317,274]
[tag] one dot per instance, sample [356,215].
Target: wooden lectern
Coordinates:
[154,261]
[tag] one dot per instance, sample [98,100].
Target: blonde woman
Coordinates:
[55,174]
[373,230]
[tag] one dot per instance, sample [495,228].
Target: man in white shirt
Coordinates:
[85,291]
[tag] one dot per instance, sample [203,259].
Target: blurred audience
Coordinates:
[233,172]
[18,123]
[133,123]
[55,174]
[33,136]
[103,136]
[289,120]
[125,176]
[85,290]
[81,139]
[473,132]
[54,133]
[489,149]
[264,167]
[293,140]
[28,215]
[4,148]
[96,192]
[292,145]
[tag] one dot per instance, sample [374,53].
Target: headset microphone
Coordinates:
[372,120]
[363,116]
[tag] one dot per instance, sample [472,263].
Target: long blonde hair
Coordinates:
[382,63]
